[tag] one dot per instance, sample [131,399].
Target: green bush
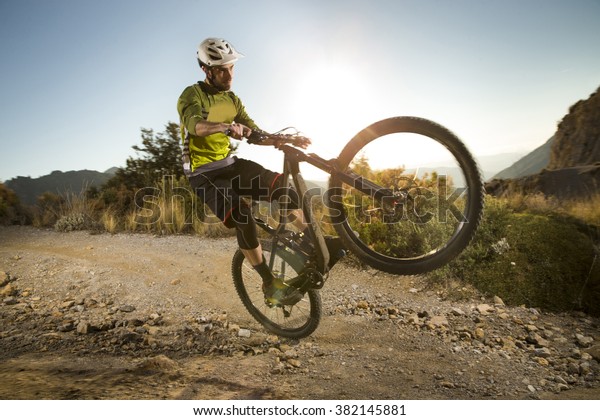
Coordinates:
[542,260]
[74,221]
[11,210]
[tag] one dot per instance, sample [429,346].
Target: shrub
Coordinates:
[74,221]
[11,211]
[544,260]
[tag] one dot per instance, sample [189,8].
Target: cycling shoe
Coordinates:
[280,294]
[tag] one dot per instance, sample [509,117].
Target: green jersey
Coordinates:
[202,102]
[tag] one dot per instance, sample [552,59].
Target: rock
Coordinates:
[572,146]
[291,354]
[126,308]
[537,340]
[83,328]
[285,347]
[465,335]
[413,319]
[393,311]
[583,341]
[135,322]
[10,301]
[423,314]
[4,278]
[560,380]
[159,363]
[457,312]
[585,368]
[66,327]
[67,304]
[594,352]
[479,333]
[485,309]
[131,337]
[294,363]
[543,352]
[363,304]
[573,368]
[437,321]
[531,328]
[8,290]
[531,388]
[498,301]
[243,332]
[233,327]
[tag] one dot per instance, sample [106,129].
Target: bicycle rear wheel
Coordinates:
[410,197]
[294,321]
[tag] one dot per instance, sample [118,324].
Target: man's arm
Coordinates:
[235,130]
[206,128]
[191,114]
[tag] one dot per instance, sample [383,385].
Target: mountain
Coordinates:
[29,189]
[529,164]
[573,168]
[578,136]
[492,164]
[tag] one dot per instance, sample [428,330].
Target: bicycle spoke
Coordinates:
[296,320]
[410,196]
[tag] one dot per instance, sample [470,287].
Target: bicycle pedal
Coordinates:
[273,305]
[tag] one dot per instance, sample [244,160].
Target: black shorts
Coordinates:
[222,189]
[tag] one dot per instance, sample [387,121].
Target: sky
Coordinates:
[79,79]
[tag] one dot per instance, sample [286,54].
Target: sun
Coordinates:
[331,102]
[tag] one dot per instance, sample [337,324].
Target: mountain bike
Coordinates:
[405,196]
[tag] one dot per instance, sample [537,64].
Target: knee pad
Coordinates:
[245,227]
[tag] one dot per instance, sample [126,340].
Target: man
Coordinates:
[210,113]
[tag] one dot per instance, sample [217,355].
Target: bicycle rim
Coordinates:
[433,196]
[295,321]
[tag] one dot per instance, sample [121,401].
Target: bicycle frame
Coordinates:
[291,168]
[351,204]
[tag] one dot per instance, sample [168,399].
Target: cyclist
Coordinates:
[210,113]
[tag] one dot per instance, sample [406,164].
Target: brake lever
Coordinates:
[257,137]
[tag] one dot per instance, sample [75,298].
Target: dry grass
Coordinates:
[586,211]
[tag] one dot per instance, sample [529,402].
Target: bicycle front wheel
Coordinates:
[291,321]
[408,197]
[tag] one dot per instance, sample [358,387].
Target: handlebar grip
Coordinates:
[256,137]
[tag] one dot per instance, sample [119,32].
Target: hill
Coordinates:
[573,168]
[29,189]
[529,164]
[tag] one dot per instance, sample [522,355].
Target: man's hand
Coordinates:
[277,140]
[238,131]
[301,142]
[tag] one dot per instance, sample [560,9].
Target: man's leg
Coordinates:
[276,292]
[253,256]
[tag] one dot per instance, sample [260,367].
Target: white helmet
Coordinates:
[217,52]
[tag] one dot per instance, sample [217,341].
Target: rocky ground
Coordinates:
[143,317]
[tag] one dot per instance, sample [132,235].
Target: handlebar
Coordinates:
[279,138]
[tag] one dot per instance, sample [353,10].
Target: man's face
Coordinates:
[221,77]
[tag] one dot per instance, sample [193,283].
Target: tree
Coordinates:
[11,210]
[158,156]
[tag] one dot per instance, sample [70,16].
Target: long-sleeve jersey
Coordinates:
[202,102]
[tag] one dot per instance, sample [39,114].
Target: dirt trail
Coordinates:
[143,317]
